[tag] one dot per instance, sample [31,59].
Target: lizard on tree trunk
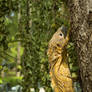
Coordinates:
[59,72]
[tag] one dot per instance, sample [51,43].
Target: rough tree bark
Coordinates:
[82,36]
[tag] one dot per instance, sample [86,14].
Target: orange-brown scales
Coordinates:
[57,54]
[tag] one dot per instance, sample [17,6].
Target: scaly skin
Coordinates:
[57,54]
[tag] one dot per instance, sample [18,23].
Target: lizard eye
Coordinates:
[61,34]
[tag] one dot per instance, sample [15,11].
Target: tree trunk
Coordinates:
[19,43]
[82,36]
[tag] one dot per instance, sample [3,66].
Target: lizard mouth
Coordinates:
[64,30]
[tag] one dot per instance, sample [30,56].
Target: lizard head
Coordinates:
[60,37]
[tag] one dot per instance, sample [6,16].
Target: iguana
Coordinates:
[59,72]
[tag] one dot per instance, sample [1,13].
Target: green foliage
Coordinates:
[1,81]
[13,81]
[74,66]
[73,63]
[5,8]
[8,47]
